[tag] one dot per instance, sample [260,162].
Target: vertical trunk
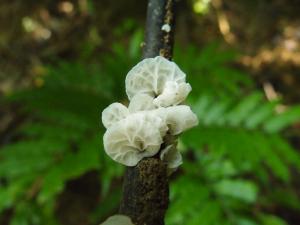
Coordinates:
[146,189]
[157,40]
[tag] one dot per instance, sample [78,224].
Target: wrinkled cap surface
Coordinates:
[137,136]
[150,77]
[113,114]
[141,102]
[180,118]
[155,88]
[173,94]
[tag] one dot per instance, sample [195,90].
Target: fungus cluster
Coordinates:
[156,88]
[118,220]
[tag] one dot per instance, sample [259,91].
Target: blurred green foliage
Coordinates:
[231,160]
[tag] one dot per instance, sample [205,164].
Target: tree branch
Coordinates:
[158,41]
[146,188]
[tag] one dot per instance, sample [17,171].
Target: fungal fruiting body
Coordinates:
[151,75]
[118,220]
[166,27]
[113,114]
[156,88]
[137,136]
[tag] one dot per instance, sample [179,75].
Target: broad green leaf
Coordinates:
[283,120]
[240,189]
[244,109]
[260,115]
[271,220]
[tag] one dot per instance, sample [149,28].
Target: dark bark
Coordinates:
[146,188]
[157,41]
[146,192]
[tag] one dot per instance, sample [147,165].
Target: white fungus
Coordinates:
[155,87]
[118,220]
[180,118]
[166,27]
[150,77]
[114,113]
[141,102]
[137,136]
[173,94]
[172,157]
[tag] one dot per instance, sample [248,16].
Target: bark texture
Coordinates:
[146,188]
[158,41]
[146,192]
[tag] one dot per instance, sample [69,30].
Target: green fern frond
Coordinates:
[243,132]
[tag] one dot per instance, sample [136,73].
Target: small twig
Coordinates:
[159,41]
[146,188]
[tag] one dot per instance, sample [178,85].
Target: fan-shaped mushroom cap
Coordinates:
[173,94]
[180,118]
[172,157]
[155,87]
[141,102]
[150,77]
[137,136]
[114,113]
[118,220]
